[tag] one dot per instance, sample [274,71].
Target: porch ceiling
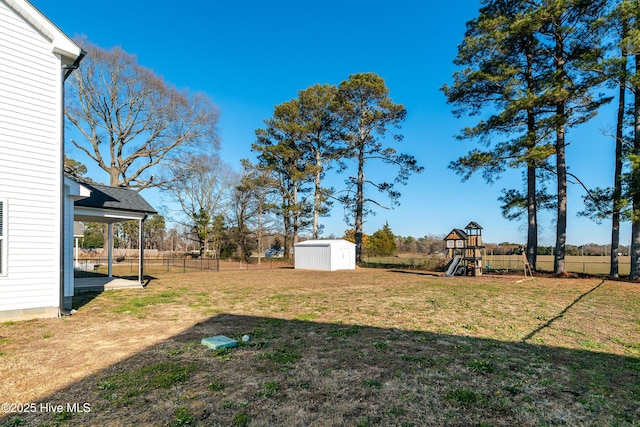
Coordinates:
[109,216]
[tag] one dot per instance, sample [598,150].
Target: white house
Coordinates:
[35,58]
[327,255]
[38,203]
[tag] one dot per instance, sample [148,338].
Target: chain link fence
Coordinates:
[593,265]
[129,265]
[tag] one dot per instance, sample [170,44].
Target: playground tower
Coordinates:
[464,247]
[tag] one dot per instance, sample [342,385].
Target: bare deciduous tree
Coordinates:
[250,209]
[200,184]
[132,119]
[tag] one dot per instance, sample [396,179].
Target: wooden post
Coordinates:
[527,267]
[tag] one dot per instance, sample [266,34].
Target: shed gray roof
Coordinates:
[105,197]
[325,242]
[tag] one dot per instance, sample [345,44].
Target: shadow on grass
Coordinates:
[91,274]
[418,273]
[297,373]
[561,314]
[81,274]
[84,296]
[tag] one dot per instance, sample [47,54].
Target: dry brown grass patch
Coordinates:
[368,347]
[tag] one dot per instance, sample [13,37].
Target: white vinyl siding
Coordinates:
[313,257]
[326,255]
[30,176]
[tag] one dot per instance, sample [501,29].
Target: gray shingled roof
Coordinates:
[103,196]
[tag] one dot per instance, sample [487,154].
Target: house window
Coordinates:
[3,252]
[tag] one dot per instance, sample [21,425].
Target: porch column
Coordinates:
[141,254]
[110,250]
[75,261]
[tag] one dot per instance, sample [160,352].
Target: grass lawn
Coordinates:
[352,348]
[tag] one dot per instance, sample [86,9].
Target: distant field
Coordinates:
[576,264]
[596,265]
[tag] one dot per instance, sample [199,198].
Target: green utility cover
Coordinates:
[219,341]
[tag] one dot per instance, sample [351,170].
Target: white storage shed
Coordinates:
[326,255]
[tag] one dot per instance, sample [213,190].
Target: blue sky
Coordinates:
[250,56]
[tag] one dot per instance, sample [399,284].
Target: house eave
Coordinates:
[75,190]
[62,45]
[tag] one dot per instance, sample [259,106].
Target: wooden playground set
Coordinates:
[464,248]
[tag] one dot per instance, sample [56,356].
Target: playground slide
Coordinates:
[451,268]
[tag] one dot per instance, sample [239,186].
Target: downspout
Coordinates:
[66,72]
[68,69]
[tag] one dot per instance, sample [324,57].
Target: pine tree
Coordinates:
[631,9]
[500,56]
[368,114]
[531,62]
[619,24]
[567,30]
[319,142]
[281,158]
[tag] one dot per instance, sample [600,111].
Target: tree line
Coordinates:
[344,128]
[531,70]
[145,133]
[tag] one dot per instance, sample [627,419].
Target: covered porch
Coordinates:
[111,205]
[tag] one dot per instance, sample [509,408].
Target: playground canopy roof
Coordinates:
[457,234]
[473,226]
